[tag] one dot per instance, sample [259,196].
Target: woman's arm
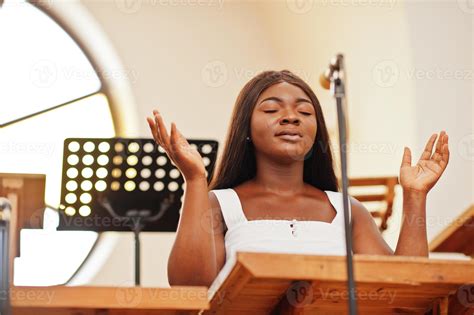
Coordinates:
[416,182]
[365,233]
[412,240]
[198,252]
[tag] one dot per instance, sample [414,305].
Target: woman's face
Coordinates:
[283,108]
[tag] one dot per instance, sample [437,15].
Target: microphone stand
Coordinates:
[338,91]
[5,214]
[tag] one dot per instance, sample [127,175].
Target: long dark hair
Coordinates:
[237,163]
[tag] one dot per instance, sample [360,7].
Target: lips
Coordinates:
[289,133]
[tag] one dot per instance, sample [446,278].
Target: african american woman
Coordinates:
[275,190]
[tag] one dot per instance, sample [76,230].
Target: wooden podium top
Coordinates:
[120,300]
[258,283]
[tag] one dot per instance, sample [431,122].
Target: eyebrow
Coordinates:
[279,100]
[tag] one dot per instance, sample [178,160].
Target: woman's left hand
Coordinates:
[424,175]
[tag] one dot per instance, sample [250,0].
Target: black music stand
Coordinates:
[123,184]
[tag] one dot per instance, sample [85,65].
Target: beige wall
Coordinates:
[441,36]
[170,50]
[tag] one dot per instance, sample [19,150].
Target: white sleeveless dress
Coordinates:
[278,236]
[281,236]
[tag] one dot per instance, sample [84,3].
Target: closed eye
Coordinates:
[272,111]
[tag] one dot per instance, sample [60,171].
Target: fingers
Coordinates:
[154,130]
[440,142]
[444,153]
[174,141]
[174,136]
[162,131]
[441,155]
[429,147]
[406,160]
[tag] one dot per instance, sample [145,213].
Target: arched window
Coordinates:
[50,90]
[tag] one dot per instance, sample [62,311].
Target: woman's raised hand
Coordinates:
[186,158]
[431,165]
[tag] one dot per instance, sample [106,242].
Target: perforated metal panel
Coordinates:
[106,183]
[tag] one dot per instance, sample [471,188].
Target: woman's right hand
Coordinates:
[186,158]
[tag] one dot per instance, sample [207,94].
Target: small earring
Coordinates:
[248,139]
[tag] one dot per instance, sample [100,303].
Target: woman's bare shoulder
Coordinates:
[216,211]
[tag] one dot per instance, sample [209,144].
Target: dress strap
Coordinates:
[336,200]
[231,207]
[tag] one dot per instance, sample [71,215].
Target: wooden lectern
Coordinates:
[258,283]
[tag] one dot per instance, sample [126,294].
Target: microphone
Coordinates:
[335,65]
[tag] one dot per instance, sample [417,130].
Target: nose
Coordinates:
[290,118]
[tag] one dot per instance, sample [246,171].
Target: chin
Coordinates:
[291,153]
